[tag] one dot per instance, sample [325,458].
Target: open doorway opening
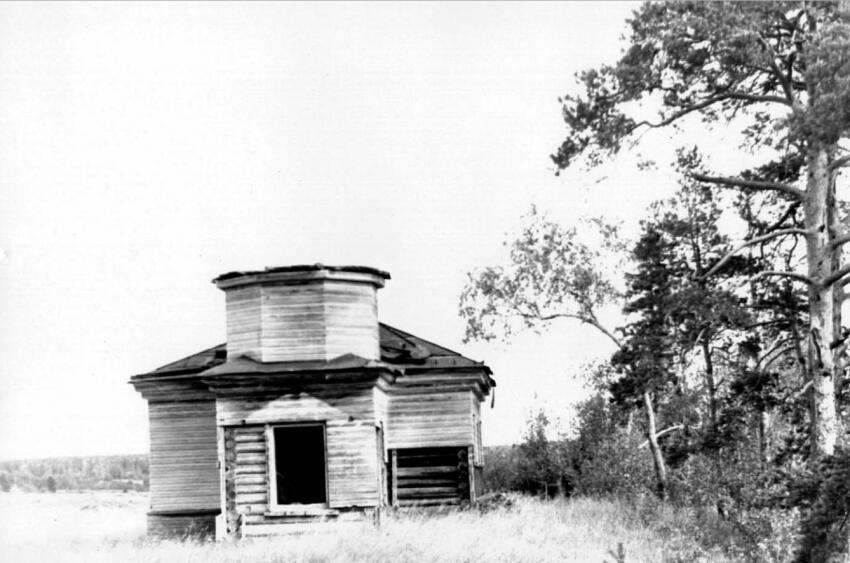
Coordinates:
[298,465]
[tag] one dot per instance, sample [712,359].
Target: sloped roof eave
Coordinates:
[400,352]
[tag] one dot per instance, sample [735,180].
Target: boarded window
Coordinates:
[300,473]
[431,476]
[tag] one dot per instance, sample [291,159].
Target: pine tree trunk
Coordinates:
[657,457]
[764,421]
[709,380]
[822,259]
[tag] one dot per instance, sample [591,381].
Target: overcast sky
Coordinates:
[147,148]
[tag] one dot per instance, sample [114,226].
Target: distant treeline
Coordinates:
[116,472]
[130,472]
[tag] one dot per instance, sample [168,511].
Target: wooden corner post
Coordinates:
[470,458]
[394,491]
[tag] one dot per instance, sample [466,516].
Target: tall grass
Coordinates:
[101,528]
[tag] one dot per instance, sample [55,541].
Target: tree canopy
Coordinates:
[746,330]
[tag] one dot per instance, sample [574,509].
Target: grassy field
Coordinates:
[110,527]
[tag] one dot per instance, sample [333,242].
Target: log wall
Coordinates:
[430,476]
[349,419]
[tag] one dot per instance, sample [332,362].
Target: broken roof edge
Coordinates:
[405,334]
[182,365]
[291,273]
[441,358]
[245,365]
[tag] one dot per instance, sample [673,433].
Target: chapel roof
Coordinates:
[399,349]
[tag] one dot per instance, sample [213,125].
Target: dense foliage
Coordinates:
[730,368]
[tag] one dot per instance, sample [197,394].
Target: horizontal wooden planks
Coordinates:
[243,321]
[183,458]
[432,419]
[433,475]
[348,418]
[312,321]
[319,321]
[323,403]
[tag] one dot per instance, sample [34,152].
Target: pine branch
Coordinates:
[783,80]
[780,342]
[793,275]
[837,276]
[840,163]
[778,355]
[839,241]
[763,238]
[787,189]
[708,102]
[793,395]
[792,209]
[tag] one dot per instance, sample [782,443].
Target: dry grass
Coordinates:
[110,527]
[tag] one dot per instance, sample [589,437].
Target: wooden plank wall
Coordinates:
[183,458]
[184,480]
[243,321]
[430,420]
[312,321]
[349,419]
[351,320]
[293,323]
[429,476]
[382,403]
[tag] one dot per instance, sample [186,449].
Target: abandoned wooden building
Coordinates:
[312,411]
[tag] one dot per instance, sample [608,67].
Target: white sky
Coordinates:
[147,148]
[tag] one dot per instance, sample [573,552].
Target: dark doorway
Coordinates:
[299,464]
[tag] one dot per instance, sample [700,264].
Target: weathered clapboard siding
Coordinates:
[349,419]
[243,322]
[293,323]
[381,406]
[184,480]
[319,319]
[351,316]
[429,420]
[402,426]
